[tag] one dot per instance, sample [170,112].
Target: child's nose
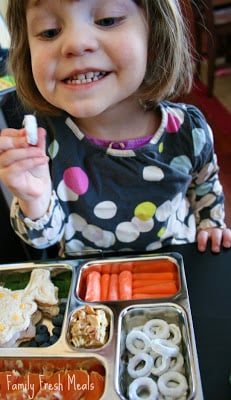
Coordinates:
[77,40]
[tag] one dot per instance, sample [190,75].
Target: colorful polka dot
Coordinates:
[76,180]
[53,149]
[173,124]
[161,232]
[175,120]
[182,163]
[199,140]
[161,147]
[145,211]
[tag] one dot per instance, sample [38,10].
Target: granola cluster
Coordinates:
[89,327]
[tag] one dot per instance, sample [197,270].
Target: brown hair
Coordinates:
[169,64]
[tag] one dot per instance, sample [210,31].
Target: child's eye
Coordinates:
[50,33]
[109,21]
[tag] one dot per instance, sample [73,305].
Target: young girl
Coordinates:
[128,169]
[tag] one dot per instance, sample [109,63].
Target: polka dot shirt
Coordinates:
[128,196]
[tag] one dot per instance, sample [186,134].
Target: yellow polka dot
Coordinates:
[161,232]
[1,295]
[15,295]
[2,327]
[16,317]
[161,147]
[145,211]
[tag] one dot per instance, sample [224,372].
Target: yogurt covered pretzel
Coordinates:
[30,124]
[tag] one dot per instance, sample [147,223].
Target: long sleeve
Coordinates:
[41,233]
[205,192]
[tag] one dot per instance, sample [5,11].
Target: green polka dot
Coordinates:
[161,232]
[161,147]
[53,149]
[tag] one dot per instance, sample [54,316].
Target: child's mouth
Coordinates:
[88,77]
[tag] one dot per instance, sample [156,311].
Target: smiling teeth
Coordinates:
[86,78]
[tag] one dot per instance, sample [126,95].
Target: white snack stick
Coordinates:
[30,124]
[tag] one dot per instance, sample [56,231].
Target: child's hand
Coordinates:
[217,236]
[24,169]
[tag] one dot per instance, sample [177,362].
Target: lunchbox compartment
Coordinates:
[90,327]
[66,378]
[134,318]
[141,278]
[34,298]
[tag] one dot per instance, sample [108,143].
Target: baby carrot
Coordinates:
[125,285]
[152,276]
[95,267]
[167,287]
[143,283]
[113,290]
[142,296]
[126,265]
[106,268]
[160,265]
[93,286]
[104,283]
[115,268]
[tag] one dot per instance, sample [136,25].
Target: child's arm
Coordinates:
[205,193]
[24,171]
[43,232]
[36,215]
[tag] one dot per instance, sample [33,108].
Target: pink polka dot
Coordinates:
[173,124]
[76,180]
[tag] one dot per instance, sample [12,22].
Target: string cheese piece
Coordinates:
[30,124]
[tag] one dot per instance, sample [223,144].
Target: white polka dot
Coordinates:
[143,226]
[154,246]
[126,232]
[105,210]
[75,223]
[92,233]
[153,174]
[99,237]
[107,240]
[66,194]
[74,246]
[164,211]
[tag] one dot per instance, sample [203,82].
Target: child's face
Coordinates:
[87,56]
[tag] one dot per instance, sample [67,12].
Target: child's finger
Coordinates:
[12,155]
[42,138]
[216,239]
[227,238]
[15,139]
[202,240]
[12,132]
